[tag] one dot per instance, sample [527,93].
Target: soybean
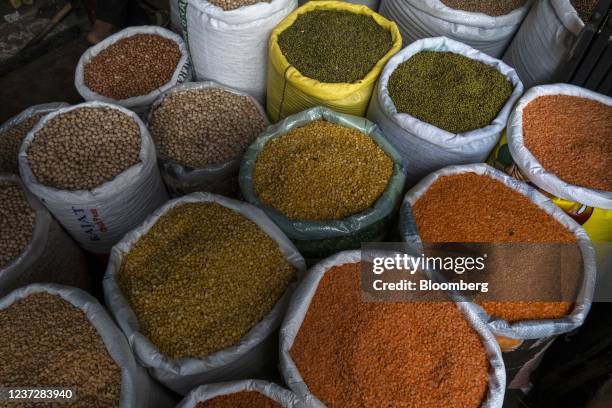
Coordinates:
[16,222]
[10,143]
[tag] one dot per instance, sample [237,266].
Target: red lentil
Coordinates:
[572,138]
[352,353]
[243,399]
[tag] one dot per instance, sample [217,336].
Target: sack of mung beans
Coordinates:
[132,67]
[373,4]
[200,288]
[559,139]
[525,310]
[59,336]
[237,394]
[328,53]
[33,247]
[330,181]
[94,167]
[201,130]
[435,117]
[487,26]
[228,39]
[15,129]
[545,39]
[338,350]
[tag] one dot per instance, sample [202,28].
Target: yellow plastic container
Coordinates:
[290,92]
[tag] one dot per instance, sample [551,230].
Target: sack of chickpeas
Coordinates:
[33,247]
[200,288]
[61,337]
[240,394]
[330,181]
[201,130]
[94,167]
[228,40]
[132,67]
[14,130]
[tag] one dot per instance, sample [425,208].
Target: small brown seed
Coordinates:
[16,222]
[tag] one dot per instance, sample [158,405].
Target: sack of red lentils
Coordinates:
[200,288]
[33,247]
[456,134]
[330,181]
[246,393]
[460,201]
[543,43]
[94,167]
[61,336]
[132,67]
[201,130]
[339,350]
[486,26]
[558,140]
[228,40]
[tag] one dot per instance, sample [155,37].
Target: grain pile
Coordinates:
[10,143]
[201,278]
[16,222]
[321,171]
[132,66]
[243,399]
[47,342]
[201,127]
[490,7]
[84,148]
[228,5]
[352,353]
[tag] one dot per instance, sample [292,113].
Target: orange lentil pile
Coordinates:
[352,353]
[472,208]
[572,138]
[243,399]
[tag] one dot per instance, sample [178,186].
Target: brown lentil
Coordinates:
[16,222]
[132,66]
[321,171]
[472,208]
[84,148]
[584,8]
[235,4]
[10,143]
[202,127]
[572,138]
[201,278]
[490,7]
[352,353]
[47,342]
[243,399]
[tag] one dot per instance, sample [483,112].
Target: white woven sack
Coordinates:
[282,396]
[418,19]
[373,4]
[231,47]
[98,218]
[247,358]
[137,388]
[425,147]
[175,17]
[533,169]
[542,44]
[138,104]
[50,256]
[298,308]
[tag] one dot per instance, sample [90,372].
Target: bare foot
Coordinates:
[100,30]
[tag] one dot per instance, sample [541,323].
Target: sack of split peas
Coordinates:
[528,303]
[245,393]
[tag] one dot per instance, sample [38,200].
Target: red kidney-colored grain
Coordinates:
[243,399]
[352,353]
[572,138]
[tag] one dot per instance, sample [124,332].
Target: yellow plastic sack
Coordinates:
[290,92]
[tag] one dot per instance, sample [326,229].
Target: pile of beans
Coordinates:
[133,66]
[449,91]
[472,208]
[321,171]
[47,342]
[235,4]
[16,222]
[584,8]
[243,399]
[352,353]
[334,46]
[572,138]
[201,127]
[10,143]
[201,278]
[490,7]
[84,148]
